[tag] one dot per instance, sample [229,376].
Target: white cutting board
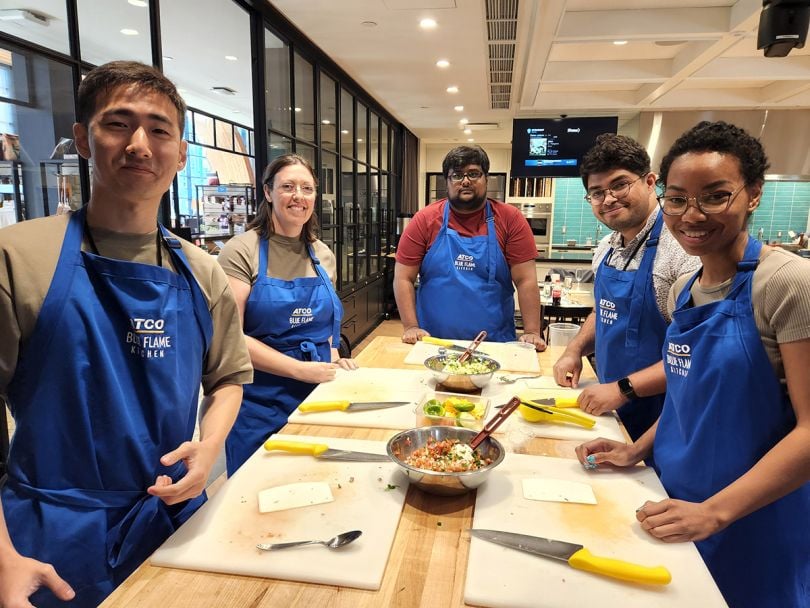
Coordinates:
[370,384]
[222,535]
[498,577]
[518,430]
[512,357]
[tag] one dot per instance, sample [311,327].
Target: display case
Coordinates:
[12,204]
[223,211]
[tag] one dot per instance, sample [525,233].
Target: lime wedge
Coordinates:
[467,420]
[433,409]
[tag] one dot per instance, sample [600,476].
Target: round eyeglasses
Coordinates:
[708,204]
[471,175]
[618,190]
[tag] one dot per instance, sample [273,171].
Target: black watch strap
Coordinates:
[626,388]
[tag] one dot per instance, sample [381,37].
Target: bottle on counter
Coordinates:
[547,287]
[556,294]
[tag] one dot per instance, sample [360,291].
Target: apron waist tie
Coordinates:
[308,348]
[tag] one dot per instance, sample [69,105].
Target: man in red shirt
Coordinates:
[467,251]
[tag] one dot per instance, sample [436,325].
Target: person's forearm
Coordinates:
[405,296]
[267,359]
[649,381]
[643,446]
[783,469]
[529,304]
[583,343]
[218,412]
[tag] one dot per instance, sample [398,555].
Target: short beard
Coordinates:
[474,204]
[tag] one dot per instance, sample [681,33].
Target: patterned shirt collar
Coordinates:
[616,237]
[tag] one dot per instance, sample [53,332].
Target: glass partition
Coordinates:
[346,124]
[328,112]
[361,132]
[43,22]
[278,101]
[114,30]
[374,139]
[304,110]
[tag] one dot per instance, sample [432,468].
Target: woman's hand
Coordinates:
[413,334]
[21,576]
[315,372]
[346,363]
[678,521]
[606,451]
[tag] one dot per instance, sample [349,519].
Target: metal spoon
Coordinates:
[508,380]
[333,543]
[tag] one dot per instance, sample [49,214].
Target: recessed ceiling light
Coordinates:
[470,139]
[458,108]
[427,24]
[344,131]
[359,140]
[453,89]
[467,131]
[140,3]
[442,63]
[464,121]
[326,122]
[129,32]
[297,109]
[168,58]
[237,111]
[620,42]
[231,58]
[369,24]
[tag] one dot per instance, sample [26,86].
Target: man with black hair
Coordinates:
[634,267]
[467,251]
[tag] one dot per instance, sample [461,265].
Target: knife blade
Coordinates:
[449,344]
[323,451]
[347,406]
[577,557]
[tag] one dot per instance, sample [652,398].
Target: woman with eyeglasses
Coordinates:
[282,278]
[732,445]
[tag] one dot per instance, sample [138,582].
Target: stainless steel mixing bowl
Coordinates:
[465,383]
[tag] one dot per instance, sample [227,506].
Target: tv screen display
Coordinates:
[554,147]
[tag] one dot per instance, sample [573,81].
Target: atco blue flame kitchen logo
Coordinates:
[679,358]
[607,312]
[147,338]
[301,316]
[465,262]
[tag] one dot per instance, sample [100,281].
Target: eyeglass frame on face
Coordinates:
[290,188]
[593,196]
[729,196]
[454,176]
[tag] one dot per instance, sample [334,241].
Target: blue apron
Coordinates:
[465,285]
[109,382]
[296,318]
[725,408]
[630,330]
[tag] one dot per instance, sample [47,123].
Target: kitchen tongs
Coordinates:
[496,421]
[471,348]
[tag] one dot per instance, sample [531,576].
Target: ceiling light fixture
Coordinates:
[427,24]
[458,108]
[326,122]
[138,3]
[369,23]
[620,42]
[467,131]
[129,32]
[453,89]
[20,14]
[344,131]
[470,139]
[463,121]
[297,109]
[442,63]
[168,58]
[359,140]
[231,58]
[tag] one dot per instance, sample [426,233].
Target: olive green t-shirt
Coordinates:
[287,258]
[29,252]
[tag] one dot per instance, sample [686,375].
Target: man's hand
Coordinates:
[567,370]
[677,521]
[199,458]
[534,339]
[606,451]
[413,334]
[600,398]
[21,576]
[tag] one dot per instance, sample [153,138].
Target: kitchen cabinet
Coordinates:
[363,309]
[223,210]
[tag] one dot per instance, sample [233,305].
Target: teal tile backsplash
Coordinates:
[785,206]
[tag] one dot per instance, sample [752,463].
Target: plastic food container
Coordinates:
[473,419]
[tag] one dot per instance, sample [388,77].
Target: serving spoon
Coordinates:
[333,543]
[510,380]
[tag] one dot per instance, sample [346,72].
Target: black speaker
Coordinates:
[783,26]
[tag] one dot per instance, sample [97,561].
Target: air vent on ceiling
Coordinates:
[501,19]
[224,90]
[483,126]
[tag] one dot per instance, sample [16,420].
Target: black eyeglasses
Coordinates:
[471,175]
[617,190]
[708,204]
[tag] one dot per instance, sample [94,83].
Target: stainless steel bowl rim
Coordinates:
[493,362]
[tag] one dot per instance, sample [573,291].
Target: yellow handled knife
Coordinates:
[555,414]
[557,401]
[577,557]
[321,450]
[347,406]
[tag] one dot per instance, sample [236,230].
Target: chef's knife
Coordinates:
[557,401]
[347,406]
[449,344]
[321,450]
[577,557]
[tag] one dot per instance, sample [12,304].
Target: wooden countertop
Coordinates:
[428,560]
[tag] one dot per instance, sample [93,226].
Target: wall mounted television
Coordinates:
[554,147]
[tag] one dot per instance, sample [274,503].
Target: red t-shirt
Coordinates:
[512,229]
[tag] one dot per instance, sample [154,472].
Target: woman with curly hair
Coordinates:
[732,445]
